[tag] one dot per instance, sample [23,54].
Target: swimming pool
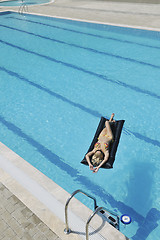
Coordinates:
[58,77]
[13,3]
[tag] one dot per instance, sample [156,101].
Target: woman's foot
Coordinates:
[111,119]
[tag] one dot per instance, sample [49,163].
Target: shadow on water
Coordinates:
[140,196]
[140,185]
[146,225]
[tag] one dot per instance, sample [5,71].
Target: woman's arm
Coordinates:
[88,155]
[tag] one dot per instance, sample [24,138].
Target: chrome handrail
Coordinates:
[95,212]
[67,230]
[23,7]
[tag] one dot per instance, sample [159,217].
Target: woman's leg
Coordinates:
[108,129]
[107,126]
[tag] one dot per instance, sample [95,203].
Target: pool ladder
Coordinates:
[108,215]
[23,8]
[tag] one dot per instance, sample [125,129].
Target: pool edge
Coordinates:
[51,219]
[85,20]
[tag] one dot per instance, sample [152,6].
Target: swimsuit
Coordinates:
[106,145]
[97,146]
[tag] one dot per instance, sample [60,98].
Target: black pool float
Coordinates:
[116,130]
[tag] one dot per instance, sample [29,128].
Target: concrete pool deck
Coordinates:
[19,222]
[19,206]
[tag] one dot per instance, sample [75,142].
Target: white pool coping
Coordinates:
[47,200]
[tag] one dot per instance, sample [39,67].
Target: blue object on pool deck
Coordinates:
[116,130]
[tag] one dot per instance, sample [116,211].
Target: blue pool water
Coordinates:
[25,2]
[57,78]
